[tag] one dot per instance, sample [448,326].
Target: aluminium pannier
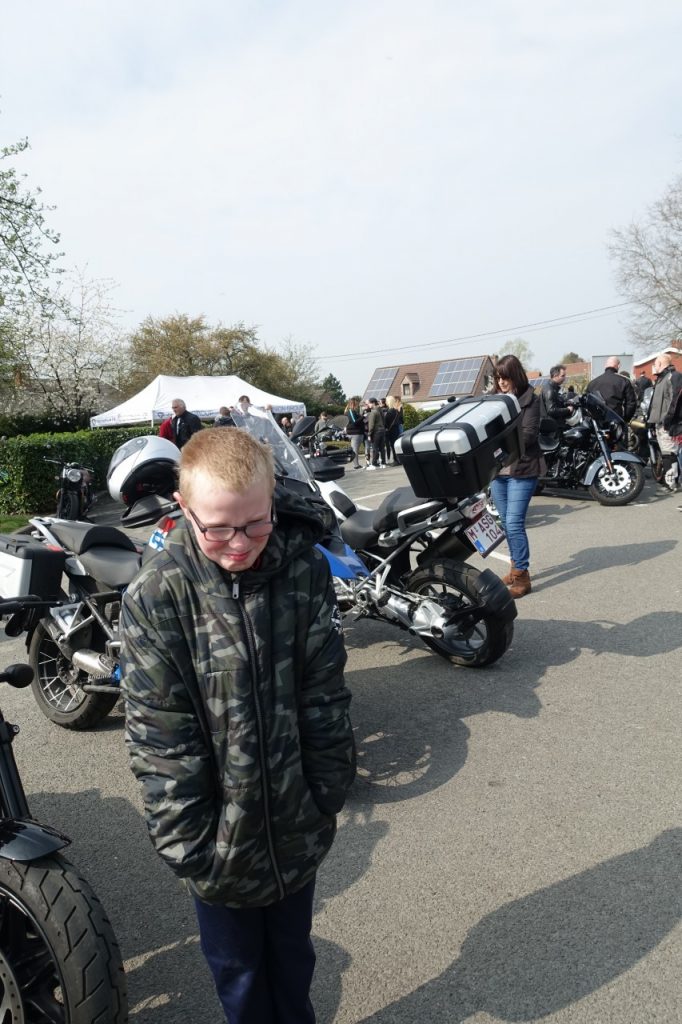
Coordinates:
[461,448]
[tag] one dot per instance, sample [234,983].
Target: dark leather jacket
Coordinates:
[617,392]
[532,462]
[552,403]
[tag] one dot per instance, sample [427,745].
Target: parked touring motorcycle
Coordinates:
[404,563]
[585,456]
[59,959]
[81,570]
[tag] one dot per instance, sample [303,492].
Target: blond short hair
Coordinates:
[232,458]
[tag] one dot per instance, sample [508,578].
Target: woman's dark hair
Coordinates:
[511,369]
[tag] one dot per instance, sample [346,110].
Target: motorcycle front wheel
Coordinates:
[68,506]
[479,642]
[59,959]
[621,486]
[57,690]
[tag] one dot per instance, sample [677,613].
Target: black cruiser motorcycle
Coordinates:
[586,457]
[59,959]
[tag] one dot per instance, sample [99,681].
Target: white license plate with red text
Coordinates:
[485,534]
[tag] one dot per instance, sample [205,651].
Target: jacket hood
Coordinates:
[300,525]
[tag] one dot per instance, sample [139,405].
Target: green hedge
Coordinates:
[412,417]
[27,482]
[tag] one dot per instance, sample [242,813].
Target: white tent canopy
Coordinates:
[202,395]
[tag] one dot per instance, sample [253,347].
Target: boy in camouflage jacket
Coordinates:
[237,718]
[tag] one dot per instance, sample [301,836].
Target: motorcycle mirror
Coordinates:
[17,676]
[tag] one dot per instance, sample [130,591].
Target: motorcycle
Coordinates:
[642,438]
[59,959]
[404,563]
[73,644]
[76,494]
[586,455]
[325,457]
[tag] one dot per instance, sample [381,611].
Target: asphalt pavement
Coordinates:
[512,847]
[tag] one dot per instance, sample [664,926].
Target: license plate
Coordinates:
[485,534]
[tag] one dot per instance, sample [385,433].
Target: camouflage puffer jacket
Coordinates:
[236,712]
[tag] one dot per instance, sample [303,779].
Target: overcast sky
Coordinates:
[373,179]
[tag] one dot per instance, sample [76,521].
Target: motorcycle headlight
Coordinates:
[74,476]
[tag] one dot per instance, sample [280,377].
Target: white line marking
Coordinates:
[375,494]
[502,558]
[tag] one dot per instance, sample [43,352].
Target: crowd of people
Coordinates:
[513,489]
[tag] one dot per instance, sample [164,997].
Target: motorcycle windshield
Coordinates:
[599,410]
[289,461]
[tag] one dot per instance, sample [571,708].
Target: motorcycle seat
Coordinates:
[358,531]
[112,567]
[81,537]
[400,500]
[548,442]
[363,527]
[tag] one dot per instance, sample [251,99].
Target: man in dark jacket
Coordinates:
[377,435]
[553,404]
[184,423]
[617,391]
[237,718]
[662,415]
[642,384]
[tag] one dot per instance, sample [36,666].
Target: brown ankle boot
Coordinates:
[520,584]
[509,578]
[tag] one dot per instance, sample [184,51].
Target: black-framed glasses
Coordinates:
[260,528]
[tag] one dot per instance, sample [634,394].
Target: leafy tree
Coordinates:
[186,346]
[26,254]
[331,385]
[572,357]
[648,255]
[64,358]
[183,346]
[519,348]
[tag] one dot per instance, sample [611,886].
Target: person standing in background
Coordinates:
[184,423]
[355,429]
[515,485]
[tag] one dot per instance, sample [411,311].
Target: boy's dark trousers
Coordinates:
[262,959]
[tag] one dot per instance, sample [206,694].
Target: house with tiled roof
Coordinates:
[645,364]
[428,385]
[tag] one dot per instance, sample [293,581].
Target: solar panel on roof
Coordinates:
[381,381]
[457,376]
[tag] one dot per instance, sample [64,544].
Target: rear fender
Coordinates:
[448,545]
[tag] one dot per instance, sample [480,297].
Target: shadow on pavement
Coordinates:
[544,952]
[595,559]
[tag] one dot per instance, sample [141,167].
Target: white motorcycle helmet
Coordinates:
[141,467]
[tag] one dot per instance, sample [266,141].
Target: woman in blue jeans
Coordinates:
[515,485]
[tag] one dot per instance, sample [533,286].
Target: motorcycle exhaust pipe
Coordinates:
[93,663]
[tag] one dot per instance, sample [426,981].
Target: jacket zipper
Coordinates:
[265,777]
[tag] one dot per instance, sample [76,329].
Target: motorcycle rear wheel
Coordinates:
[453,585]
[57,690]
[624,486]
[59,959]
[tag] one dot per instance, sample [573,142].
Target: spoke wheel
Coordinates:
[58,688]
[473,642]
[59,960]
